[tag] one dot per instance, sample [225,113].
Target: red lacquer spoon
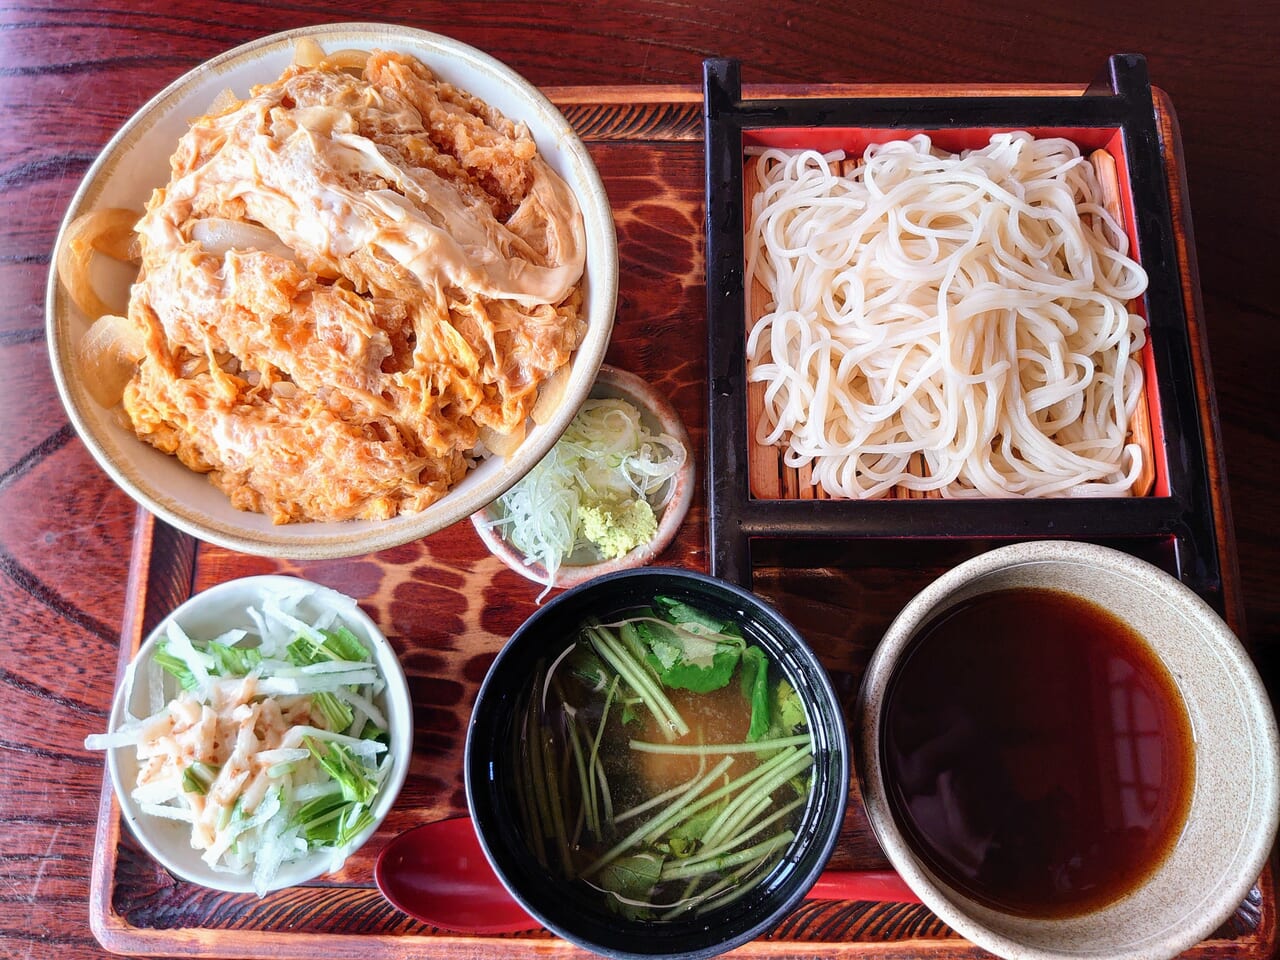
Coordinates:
[437,873]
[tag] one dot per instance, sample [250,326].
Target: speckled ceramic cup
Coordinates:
[1231,825]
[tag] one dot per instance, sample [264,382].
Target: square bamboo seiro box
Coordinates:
[755,497]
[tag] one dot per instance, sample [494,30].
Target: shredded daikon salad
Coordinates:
[273,750]
[601,487]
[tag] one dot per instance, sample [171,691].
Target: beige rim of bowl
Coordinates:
[254,533]
[1212,670]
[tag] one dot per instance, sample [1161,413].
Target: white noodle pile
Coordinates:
[970,309]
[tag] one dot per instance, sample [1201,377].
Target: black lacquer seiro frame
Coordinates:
[1178,518]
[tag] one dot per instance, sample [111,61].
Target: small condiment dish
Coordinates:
[1230,825]
[585,563]
[205,616]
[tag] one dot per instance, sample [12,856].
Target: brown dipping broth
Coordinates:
[1037,754]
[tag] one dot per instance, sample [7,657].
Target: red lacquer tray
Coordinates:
[448,606]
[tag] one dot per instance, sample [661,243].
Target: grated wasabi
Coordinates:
[600,488]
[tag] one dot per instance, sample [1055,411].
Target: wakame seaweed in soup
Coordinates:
[662,760]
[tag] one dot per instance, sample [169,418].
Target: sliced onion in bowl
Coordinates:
[218,235]
[108,355]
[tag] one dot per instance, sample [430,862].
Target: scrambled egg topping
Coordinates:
[347,285]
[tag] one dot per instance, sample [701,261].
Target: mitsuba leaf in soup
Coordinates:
[631,878]
[755,687]
[688,648]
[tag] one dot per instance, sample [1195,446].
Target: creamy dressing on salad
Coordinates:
[274,748]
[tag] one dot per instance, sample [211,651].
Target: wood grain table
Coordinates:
[71,73]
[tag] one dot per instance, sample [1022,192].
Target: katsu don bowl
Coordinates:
[332,291]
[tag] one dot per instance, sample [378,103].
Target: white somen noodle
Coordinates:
[970,310]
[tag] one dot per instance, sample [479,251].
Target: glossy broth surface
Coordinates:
[1037,753]
[662,763]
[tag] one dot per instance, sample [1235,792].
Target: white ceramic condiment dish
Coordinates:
[207,615]
[136,161]
[1231,824]
[659,416]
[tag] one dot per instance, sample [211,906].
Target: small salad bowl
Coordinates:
[585,562]
[146,688]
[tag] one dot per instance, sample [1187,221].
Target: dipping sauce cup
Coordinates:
[1066,753]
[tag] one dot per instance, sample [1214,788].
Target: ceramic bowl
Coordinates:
[136,160]
[204,616]
[1231,823]
[584,564]
[568,908]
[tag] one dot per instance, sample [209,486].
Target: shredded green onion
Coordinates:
[198,777]
[604,464]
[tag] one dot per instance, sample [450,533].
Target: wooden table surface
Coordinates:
[71,74]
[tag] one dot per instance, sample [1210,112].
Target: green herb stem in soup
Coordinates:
[663,761]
